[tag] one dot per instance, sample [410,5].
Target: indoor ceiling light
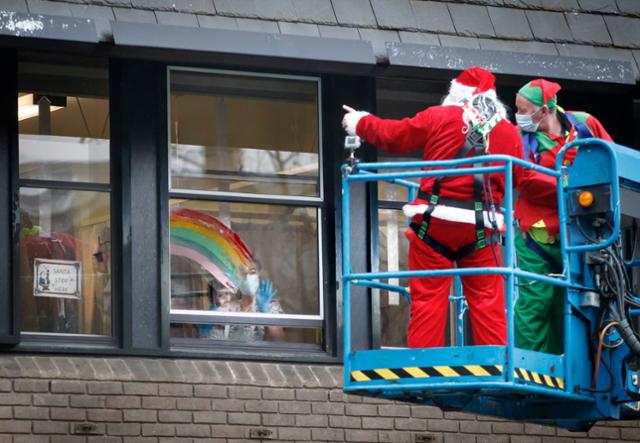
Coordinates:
[27,109]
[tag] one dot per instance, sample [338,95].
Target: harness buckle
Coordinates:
[423,230]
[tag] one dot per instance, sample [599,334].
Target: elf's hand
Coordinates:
[264,296]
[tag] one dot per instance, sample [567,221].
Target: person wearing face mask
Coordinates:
[545,129]
[252,295]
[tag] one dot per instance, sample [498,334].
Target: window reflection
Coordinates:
[231,133]
[65,275]
[239,257]
[65,204]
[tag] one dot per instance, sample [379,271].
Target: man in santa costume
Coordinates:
[453,218]
[546,128]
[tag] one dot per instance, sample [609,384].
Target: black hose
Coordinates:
[628,335]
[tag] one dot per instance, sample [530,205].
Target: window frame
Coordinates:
[318,203]
[30,339]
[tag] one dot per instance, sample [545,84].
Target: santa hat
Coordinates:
[541,92]
[479,79]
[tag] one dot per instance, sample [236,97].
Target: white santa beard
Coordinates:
[458,93]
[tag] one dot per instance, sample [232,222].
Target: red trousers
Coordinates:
[430,296]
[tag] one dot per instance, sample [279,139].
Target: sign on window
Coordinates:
[57,278]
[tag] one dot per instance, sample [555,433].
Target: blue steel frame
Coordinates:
[507,358]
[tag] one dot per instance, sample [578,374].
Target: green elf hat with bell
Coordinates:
[541,92]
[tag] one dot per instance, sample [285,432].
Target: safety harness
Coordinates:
[531,151]
[476,142]
[531,144]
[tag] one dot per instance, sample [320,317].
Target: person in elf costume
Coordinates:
[453,218]
[546,128]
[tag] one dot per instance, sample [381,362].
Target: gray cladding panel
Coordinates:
[48,27]
[504,62]
[244,43]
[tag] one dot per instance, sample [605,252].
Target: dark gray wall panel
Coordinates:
[223,41]
[9,313]
[139,128]
[18,24]
[504,62]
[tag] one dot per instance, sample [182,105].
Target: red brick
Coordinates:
[123,402]
[377,423]
[31,385]
[212,391]
[175,390]
[194,404]
[68,387]
[140,388]
[307,420]
[278,394]
[87,401]
[158,403]
[360,435]
[243,418]
[15,426]
[193,431]
[294,434]
[49,400]
[156,429]
[105,387]
[104,415]
[338,421]
[278,419]
[442,425]
[69,414]
[50,427]
[209,417]
[31,412]
[123,429]
[174,416]
[244,392]
[261,406]
[362,409]
[140,415]
[15,399]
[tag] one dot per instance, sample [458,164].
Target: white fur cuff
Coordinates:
[351,119]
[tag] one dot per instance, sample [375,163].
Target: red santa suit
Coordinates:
[440,132]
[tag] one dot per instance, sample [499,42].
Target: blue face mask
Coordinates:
[525,122]
[251,284]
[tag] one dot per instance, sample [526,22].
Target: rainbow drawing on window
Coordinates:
[203,239]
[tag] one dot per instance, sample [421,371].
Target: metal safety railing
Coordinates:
[490,164]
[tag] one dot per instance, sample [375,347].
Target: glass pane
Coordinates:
[394,308]
[247,333]
[396,99]
[245,134]
[393,256]
[240,257]
[63,119]
[65,261]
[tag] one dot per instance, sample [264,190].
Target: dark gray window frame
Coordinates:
[137,87]
[37,339]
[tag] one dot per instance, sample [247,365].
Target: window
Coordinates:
[397,99]
[245,208]
[64,264]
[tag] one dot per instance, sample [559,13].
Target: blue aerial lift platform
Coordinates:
[597,376]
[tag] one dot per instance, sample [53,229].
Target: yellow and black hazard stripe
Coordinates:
[426,372]
[539,379]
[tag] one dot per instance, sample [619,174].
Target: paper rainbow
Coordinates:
[203,239]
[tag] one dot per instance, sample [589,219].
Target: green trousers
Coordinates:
[538,313]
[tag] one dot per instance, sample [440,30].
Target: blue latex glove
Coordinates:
[264,296]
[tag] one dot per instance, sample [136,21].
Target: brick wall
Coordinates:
[68,400]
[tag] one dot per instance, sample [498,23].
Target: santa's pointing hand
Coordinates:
[351,119]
